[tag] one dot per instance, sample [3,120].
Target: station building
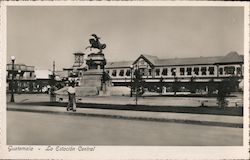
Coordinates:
[24,77]
[197,73]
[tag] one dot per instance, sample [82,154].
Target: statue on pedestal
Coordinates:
[95,43]
[94,80]
[96,60]
[95,75]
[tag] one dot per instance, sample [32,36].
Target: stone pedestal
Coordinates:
[95,61]
[91,80]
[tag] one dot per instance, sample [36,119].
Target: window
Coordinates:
[141,62]
[221,71]
[189,71]
[182,71]
[196,70]
[173,71]
[114,73]
[128,72]
[229,70]
[203,70]
[142,71]
[121,73]
[211,70]
[165,71]
[150,72]
[239,71]
[157,72]
[30,74]
[107,71]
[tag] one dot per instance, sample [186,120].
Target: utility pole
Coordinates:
[52,83]
[54,67]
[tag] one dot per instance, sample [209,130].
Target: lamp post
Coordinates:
[19,84]
[131,79]
[12,79]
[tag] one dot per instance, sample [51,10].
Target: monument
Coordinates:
[93,81]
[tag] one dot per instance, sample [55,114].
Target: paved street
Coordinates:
[28,128]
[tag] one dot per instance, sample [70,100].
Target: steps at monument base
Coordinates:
[80,91]
[83,91]
[86,91]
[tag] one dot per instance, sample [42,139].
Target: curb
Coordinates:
[183,121]
[180,109]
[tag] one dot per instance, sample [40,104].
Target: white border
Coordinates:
[129,152]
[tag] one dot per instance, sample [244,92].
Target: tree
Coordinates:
[224,89]
[192,86]
[105,77]
[161,85]
[52,80]
[138,85]
[175,85]
[211,86]
[221,96]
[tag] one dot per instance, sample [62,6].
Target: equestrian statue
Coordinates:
[95,43]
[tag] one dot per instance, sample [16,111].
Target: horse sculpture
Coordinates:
[95,43]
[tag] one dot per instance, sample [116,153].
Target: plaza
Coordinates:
[141,81]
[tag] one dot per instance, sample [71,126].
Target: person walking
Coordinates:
[72,97]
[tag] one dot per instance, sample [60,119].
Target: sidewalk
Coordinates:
[154,101]
[201,119]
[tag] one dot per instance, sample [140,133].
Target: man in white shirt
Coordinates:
[72,97]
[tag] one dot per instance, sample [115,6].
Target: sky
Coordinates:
[39,35]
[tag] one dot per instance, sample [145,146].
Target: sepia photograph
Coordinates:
[81,76]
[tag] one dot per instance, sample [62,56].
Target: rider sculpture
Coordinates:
[95,43]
